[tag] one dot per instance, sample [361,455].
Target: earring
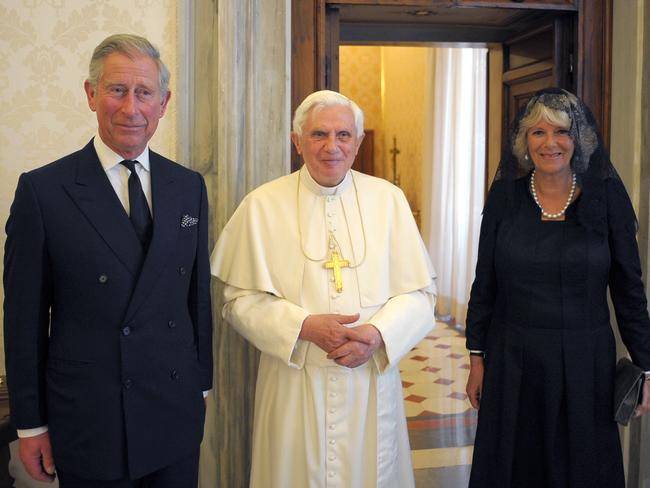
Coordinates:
[526,157]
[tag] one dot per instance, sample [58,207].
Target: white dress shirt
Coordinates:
[118,174]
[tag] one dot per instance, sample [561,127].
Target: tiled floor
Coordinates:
[440,419]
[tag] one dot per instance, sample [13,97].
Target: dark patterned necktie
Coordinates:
[139,210]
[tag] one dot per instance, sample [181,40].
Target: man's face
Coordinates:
[128,103]
[328,144]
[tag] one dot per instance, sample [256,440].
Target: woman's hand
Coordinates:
[475,380]
[645,403]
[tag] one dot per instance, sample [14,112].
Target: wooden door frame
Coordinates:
[312,44]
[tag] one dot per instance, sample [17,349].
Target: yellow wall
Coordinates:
[388,84]
[360,80]
[404,75]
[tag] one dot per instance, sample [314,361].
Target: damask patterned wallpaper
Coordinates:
[404,74]
[360,80]
[45,47]
[388,83]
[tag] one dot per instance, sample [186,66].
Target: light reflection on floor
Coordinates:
[441,421]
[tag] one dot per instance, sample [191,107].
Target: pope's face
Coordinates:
[328,143]
[550,147]
[128,103]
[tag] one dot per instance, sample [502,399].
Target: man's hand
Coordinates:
[475,381]
[359,350]
[36,455]
[327,330]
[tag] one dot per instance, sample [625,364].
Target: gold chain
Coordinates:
[332,237]
[302,246]
[363,227]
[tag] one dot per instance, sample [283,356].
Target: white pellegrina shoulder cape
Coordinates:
[318,424]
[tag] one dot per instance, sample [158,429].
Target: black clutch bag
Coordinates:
[628,390]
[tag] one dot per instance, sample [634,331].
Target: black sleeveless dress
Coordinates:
[539,309]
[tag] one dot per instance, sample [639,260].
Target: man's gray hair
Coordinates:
[130,45]
[326,98]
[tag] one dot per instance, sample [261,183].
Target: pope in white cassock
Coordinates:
[326,274]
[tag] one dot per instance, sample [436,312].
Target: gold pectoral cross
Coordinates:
[335,264]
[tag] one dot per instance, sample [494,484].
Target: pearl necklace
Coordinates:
[566,205]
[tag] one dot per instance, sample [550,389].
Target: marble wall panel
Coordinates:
[240,139]
[630,152]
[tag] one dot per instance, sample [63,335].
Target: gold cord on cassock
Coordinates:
[336,261]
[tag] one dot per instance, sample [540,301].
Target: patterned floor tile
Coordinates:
[431,390]
[415,398]
[434,375]
[457,395]
[419,358]
[413,409]
[445,406]
[430,369]
[443,381]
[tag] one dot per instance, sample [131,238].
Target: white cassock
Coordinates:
[318,424]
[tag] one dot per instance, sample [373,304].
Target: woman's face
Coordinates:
[550,148]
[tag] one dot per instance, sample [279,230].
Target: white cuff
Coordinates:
[381,359]
[31,432]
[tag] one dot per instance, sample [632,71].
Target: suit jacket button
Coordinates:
[102,278]
[174,374]
[126,331]
[181,270]
[171,324]
[127,383]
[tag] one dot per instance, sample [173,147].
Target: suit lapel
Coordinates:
[93,194]
[166,225]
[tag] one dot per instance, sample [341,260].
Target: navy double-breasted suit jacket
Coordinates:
[109,347]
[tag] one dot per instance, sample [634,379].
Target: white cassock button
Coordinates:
[332,442]
[332,410]
[332,458]
[333,395]
[332,426]
[329,214]
[333,378]
[331,474]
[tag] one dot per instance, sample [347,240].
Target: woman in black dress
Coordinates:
[558,229]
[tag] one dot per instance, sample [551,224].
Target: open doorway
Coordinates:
[565,43]
[425,122]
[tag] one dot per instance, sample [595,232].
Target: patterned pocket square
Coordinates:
[187,221]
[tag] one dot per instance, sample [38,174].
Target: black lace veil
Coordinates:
[589,157]
[590,160]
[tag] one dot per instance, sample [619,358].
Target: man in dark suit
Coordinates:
[107,295]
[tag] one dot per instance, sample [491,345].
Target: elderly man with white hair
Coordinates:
[326,274]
